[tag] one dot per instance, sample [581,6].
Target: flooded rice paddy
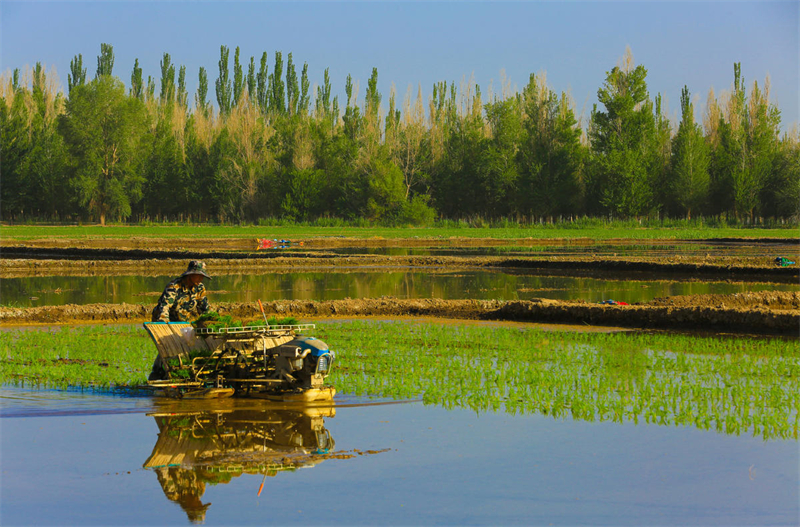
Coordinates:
[490,426]
[454,285]
[467,425]
[74,458]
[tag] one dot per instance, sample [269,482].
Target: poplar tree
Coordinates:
[372,104]
[202,91]
[261,80]
[277,95]
[251,80]
[77,75]
[167,80]
[183,96]
[292,88]
[223,83]
[150,92]
[352,117]
[238,78]
[304,86]
[105,61]
[322,106]
[689,179]
[137,82]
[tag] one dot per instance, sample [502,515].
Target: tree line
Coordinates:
[272,148]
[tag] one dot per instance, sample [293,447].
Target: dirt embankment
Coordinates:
[745,269]
[754,313]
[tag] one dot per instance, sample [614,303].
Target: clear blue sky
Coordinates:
[576,43]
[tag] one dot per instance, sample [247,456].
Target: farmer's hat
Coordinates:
[196,267]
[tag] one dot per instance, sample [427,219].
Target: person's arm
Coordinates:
[202,301]
[161,313]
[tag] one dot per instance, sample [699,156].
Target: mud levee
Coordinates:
[154,263]
[752,313]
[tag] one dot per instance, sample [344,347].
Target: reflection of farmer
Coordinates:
[184,298]
[185,488]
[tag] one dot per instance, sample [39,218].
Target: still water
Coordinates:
[72,458]
[57,290]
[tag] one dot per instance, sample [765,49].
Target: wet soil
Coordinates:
[769,312]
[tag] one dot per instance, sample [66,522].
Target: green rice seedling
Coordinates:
[731,385]
[620,377]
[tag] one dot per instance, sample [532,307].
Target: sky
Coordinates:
[419,43]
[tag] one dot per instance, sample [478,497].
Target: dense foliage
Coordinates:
[271,148]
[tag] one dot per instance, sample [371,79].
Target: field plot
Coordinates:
[448,368]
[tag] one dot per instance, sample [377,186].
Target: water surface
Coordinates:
[91,459]
[510,285]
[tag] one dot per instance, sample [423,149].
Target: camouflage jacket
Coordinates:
[181,304]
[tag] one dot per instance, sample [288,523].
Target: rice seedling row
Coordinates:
[731,385]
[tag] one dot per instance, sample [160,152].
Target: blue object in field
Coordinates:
[316,346]
[783,262]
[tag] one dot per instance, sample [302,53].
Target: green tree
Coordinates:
[15,144]
[276,89]
[689,178]
[659,152]
[498,174]
[550,155]
[748,144]
[102,128]
[261,81]
[783,191]
[304,87]
[167,80]
[251,79]
[238,78]
[167,189]
[182,95]
[223,83]
[322,105]
[77,75]
[105,61]
[45,163]
[137,83]
[292,86]
[202,92]
[620,137]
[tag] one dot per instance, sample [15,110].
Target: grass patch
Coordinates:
[731,385]
[594,229]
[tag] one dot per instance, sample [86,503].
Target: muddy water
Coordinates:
[59,290]
[88,459]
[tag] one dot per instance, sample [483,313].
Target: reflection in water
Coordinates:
[478,284]
[196,448]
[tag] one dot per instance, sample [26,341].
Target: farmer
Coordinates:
[184,298]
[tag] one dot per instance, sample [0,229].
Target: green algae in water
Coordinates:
[731,385]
